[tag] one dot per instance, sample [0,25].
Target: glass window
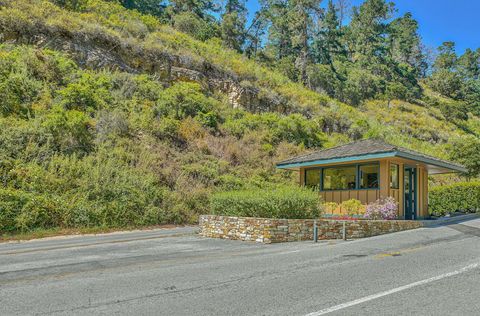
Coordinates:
[369,177]
[312,178]
[394,184]
[342,178]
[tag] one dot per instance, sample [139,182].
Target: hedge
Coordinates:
[462,196]
[282,202]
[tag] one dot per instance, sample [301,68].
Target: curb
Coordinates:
[448,221]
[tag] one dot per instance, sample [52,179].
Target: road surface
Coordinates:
[428,271]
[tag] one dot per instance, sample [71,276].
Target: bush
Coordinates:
[386,208]
[200,29]
[330,207]
[463,196]
[184,99]
[40,212]
[24,211]
[352,206]
[11,204]
[90,91]
[281,202]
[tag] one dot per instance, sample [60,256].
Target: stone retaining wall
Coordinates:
[268,230]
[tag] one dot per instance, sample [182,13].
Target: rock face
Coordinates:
[268,230]
[97,50]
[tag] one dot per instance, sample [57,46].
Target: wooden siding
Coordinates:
[401,193]
[422,192]
[368,196]
[364,196]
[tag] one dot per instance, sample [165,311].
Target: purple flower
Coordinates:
[385,208]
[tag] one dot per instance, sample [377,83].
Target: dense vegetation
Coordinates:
[462,196]
[281,202]
[115,117]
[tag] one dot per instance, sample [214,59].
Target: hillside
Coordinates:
[111,118]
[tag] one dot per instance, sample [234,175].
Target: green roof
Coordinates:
[362,150]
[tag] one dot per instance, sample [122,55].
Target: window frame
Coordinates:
[390,176]
[320,182]
[357,176]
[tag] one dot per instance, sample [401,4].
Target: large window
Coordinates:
[368,176]
[394,176]
[341,178]
[312,178]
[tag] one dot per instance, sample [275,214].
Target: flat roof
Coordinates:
[364,150]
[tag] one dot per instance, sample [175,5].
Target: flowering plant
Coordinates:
[385,208]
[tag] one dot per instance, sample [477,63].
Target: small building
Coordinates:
[371,169]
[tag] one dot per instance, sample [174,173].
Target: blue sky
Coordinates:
[439,20]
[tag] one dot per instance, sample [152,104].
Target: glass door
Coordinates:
[410,192]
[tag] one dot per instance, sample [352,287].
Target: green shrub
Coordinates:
[87,92]
[464,196]
[190,23]
[281,202]
[352,206]
[22,211]
[11,204]
[40,212]
[330,207]
[184,99]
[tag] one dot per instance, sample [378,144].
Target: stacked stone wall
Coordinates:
[268,230]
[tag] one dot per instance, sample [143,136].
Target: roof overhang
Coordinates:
[434,166]
[297,165]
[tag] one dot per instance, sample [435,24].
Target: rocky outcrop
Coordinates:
[97,50]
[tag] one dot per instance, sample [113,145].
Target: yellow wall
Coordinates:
[368,196]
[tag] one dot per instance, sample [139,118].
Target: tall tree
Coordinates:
[327,44]
[279,35]
[301,18]
[405,43]
[447,57]
[343,7]
[153,7]
[233,24]
[445,79]
[469,64]
[255,33]
[367,30]
[201,8]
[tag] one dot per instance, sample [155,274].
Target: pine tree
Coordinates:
[367,30]
[343,7]
[445,79]
[447,57]
[327,45]
[233,24]
[153,7]
[279,35]
[469,64]
[405,43]
[255,33]
[301,17]
[201,8]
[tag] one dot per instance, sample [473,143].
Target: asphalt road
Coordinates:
[429,271]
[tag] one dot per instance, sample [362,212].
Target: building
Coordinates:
[370,169]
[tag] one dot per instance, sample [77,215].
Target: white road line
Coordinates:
[392,291]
